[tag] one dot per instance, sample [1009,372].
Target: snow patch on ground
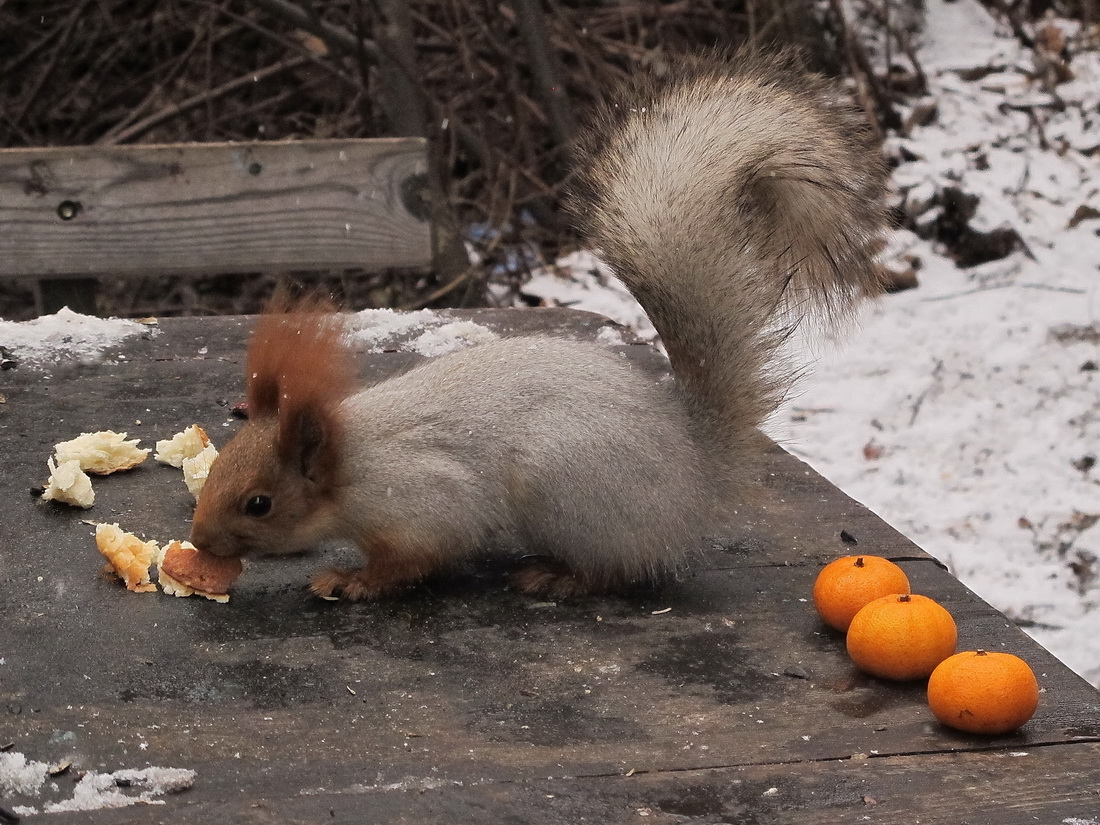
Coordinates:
[425,332]
[966,412]
[22,777]
[65,335]
[583,281]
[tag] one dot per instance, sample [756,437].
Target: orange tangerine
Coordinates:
[901,637]
[982,691]
[845,585]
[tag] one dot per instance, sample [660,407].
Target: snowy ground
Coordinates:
[966,411]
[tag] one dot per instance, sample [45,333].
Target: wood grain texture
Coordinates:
[214,208]
[1052,786]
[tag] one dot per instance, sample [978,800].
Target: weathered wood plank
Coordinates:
[212,208]
[1044,785]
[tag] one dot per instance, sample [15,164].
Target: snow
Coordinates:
[590,286]
[964,411]
[65,335]
[959,35]
[19,775]
[98,791]
[428,333]
[94,791]
[450,337]
[374,327]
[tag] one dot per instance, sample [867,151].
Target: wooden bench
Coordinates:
[720,698]
[71,215]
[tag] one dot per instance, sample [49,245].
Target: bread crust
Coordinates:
[184,570]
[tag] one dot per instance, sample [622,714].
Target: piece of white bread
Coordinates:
[197,468]
[183,445]
[68,484]
[101,452]
[192,572]
[128,557]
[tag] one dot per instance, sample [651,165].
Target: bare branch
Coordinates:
[195,101]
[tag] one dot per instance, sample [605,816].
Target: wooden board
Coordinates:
[213,208]
[1019,787]
[462,701]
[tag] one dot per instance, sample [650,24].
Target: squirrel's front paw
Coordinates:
[350,584]
[369,582]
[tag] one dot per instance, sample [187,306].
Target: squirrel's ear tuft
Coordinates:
[299,369]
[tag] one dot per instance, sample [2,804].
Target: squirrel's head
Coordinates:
[275,487]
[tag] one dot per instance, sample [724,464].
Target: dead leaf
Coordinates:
[872,450]
[1083,521]
[1083,213]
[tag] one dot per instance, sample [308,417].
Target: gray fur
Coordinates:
[559,446]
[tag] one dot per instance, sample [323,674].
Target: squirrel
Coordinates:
[736,199]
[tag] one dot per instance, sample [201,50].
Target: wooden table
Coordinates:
[720,698]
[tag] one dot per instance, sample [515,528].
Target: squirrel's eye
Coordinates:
[258,506]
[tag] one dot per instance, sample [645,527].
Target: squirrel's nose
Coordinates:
[207,540]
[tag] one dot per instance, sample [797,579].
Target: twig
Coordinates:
[366,107]
[341,40]
[443,291]
[1017,28]
[861,69]
[964,293]
[1049,288]
[289,44]
[30,51]
[175,109]
[32,95]
[108,137]
[337,39]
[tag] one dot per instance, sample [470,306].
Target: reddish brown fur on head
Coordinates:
[275,486]
[299,370]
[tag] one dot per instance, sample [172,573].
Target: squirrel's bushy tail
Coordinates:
[734,200]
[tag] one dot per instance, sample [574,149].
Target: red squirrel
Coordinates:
[736,201]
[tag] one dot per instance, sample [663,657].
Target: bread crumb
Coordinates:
[187,559]
[68,484]
[101,452]
[183,445]
[197,468]
[128,557]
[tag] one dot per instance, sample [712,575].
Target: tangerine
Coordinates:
[901,637]
[983,692]
[845,585]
